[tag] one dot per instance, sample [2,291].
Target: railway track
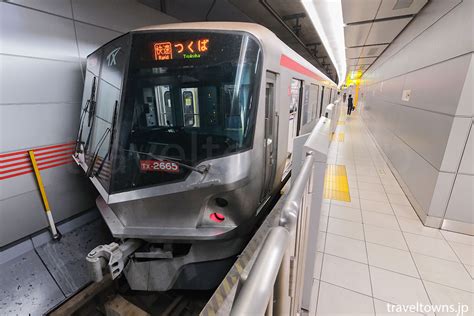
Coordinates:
[114,297]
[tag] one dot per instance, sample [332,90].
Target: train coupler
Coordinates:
[113,256]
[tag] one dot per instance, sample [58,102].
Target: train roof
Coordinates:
[264,35]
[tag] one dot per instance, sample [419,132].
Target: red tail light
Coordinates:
[217,217]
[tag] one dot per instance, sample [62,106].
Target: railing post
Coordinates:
[267,289]
[258,287]
[281,297]
[269,311]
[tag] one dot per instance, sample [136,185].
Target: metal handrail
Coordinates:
[289,214]
[256,291]
[258,288]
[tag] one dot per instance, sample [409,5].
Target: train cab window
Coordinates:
[104,78]
[201,104]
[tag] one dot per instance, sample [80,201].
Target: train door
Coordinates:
[294,115]
[163,106]
[302,100]
[313,98]
[322,100]
[271,134]
[190,107]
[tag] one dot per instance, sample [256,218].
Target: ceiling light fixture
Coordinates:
[326,16]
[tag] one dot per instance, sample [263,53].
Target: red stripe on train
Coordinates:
[289,63]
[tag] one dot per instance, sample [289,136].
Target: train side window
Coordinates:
[233,101]
[310,101]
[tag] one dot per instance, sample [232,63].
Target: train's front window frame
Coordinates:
[187,110]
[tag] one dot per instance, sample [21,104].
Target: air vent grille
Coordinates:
[402,4]
[373,51]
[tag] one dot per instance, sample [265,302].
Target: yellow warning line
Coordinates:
[341,123]
[336,186]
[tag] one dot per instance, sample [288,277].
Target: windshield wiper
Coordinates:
[200,169]
[90,169]
[88,108]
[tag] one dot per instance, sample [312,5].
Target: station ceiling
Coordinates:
[369,25]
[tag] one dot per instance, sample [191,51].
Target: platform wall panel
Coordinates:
[425,137]
[461,201]
[27,80]
[43,47]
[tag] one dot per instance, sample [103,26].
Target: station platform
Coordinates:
[373,250]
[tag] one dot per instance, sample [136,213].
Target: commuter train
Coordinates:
[186,130]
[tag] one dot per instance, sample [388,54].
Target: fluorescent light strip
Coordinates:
[326,16]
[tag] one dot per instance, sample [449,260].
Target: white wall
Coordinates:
[426,137]
[43,45]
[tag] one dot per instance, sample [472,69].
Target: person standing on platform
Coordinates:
[344,98]
[350,104]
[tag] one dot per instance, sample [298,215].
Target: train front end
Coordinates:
[167,135]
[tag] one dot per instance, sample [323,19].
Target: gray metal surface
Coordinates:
[27,287]
[144,212]
[38,279]
[289,214]
[223,298]
[162,275]
[65,259]
[110,256]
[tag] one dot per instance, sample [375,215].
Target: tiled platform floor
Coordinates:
[374,250]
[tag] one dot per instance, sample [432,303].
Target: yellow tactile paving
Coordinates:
[341,123]
[340,137]
[336,186]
